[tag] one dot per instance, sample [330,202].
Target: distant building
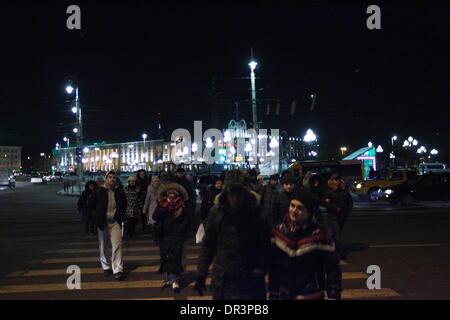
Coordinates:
[153,155]
[11,157]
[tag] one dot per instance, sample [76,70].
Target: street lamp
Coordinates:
[379,149]
[66,140]
[434,152]
[370,144]
[79,128]
[343,150]
[253,65]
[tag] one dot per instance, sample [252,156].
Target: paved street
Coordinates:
[41,236]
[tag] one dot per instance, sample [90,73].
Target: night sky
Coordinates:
[139,58]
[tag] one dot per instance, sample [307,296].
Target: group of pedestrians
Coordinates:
[164,204]
[279,229]
[252,229]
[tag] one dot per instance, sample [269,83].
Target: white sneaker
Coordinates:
[175,287]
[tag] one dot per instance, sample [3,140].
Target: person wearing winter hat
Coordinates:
[84,210]
[134,207]
[151,201]
[339,204]
[209,197]
[142,183]
[172,223]
[274,217]
[303,257]
[236,242]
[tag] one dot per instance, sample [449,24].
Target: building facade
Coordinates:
[11,157]
[153,155]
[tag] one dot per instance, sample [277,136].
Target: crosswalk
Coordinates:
[47,276]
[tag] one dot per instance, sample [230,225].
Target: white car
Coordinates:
[37,180]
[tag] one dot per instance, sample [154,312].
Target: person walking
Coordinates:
[208,200]
[151,202]
[172,222]
[108,204]
[268,195]
[83,209]
[133,209]
[142,183]
[303,255]
[236,242]
[339,204]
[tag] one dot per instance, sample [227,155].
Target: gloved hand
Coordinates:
[200,285]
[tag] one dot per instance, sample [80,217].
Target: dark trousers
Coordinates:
[336,224]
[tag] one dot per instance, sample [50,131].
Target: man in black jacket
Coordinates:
[107,205]
[237,240]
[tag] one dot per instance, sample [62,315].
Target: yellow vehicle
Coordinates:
[350,170]
[386,179]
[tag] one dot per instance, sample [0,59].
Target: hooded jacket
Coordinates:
[238,241]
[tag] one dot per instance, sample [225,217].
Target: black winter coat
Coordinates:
[208,201]
[238,241]
[269,194]
[98,206]
[171,232]
[304,262]
[82,205]
[339,199]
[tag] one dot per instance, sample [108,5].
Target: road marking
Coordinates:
[407,245]
[95,242]
[94,250]
[95,259]
[60,272]
[368,294]
[354,275]
[346,294]
[86,286]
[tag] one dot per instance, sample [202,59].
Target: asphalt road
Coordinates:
[41,235]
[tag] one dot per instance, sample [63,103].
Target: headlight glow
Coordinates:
[389,191]
[359,186]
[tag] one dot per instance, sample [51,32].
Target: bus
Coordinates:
[349,170]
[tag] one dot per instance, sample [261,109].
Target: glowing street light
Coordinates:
[75,130]
[370,145]
[379,149]
[69,89]
[434,152]
[310,136]
[74,110]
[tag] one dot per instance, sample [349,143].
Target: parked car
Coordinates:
[428,167]
[385,179]
[426,187]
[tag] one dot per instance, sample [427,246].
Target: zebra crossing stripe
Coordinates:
[96,259]
[96,250]
[104,285]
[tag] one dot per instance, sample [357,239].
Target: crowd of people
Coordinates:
[288,229]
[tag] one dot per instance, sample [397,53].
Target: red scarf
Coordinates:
[171,206]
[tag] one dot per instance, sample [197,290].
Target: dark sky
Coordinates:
[138,58]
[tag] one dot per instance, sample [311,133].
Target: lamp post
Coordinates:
[79,128]
[144,137]
[392,151]
[253,65]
